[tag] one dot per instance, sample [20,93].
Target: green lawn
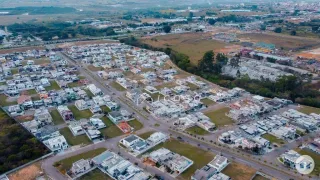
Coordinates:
[192,86]
[308,110]
[219,117]
[314,156]
[66,164]
[14,70]
[273,139]
[105,109]
[207,101]
[53,86]
[237,171]
[135,124]
[111,130]
[57,119]
[197,130]
[4,102]
[85,114]
[95,175]
[32,91]
[198,156]
[168,85]
[117,86]
[3,83]
[89,93]
[146,134]
[74,140]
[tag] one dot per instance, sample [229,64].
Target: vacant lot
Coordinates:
[117,86]
[135,124]
[4,101]
[219,117]
[207,101]
[95,174]
[66,164]
[85,114]
[308,110]
[22,49]
[111,130]
[53,86]
[197,130]
[192,44]
[56,118]
[146,134]
[27,173]
[259,177]
[281,41]
[74,140]
[273,139]
[238,171]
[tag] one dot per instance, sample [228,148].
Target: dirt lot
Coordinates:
[312,54]
[21,49]
[192,44]
[281,41]
[28,173]
[238,171]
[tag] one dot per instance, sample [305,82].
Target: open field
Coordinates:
[273,139]
[308,110]
[111,130]
[66,164]
[117,86]
[85,114]
[219,117]
[314,156]
[56,118]
[207,101]
[74,140]
[4,101]
[238,171]
[95,174]
[21,49]
[93,68]
[197,130]
[281,41]
[192,44]
[311,54]
[137,125]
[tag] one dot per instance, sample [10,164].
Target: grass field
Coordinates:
[4,102]
[105,109]
[189,151]
[117,86]
[74,140]
[192,86]
[95,175]
[57,119]
[314,156]
[197,130]
[89,93]
[14,70]
[111,130]
[238,171]
[85,114]
[66,164]
[31,92]
[146,134]
[207,101]
[308,110]
[273,139]
[137,125]
[192,44]
[219,117]
[281,41]
[92,68]
[54,86]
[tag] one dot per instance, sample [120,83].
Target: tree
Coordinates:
[167,29]
[222,59]
[212,22]
[263,27]
[206,63]
[293,33]
[234,62]
[278,30]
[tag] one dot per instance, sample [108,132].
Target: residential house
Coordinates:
[57,144]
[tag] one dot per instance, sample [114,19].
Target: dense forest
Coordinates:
[62,30]
[209,67]
[17,145]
